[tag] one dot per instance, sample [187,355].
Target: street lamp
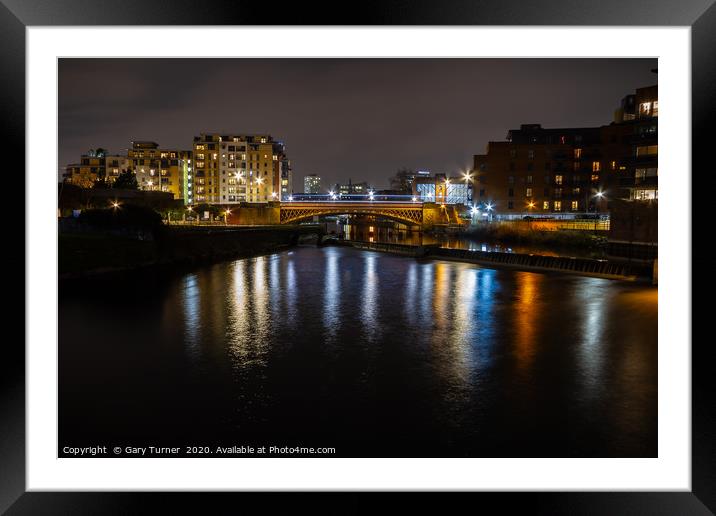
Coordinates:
[489,211]
[599,196]
[226,216]
[370,195]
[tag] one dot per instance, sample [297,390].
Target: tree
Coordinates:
[402,181]
[126,180]
[101,184]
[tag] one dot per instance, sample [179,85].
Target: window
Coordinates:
[513,153]
[545,205]
[547,179]
[575,205]
[200,147]
[529,180]
[644,108]
[575,166]
[483,167]
[546,192]
[557,205]
[595,178]
[558,180]
[511,192]
[199,156]
[530,166]
[558,193]
[614,165]
[482,192]
[510,205]
[577,153]
[647,150]
[655,108]
[576,191]
[596,166]
[528,193]
[531,154]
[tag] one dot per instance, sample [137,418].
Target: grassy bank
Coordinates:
[519,235]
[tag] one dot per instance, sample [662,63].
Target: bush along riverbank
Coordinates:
[565,240]
[98,243]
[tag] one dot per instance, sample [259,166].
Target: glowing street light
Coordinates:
[370,194]
[415,199]
[115,204]
[290,197]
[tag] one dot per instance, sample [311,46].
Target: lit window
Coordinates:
[596,166]
[575,205]
[558,180]
[647,150]
[528,193]
[645,108]
[655,108]
[614,165]
[595,178]
[577,153]
[545,205]
[557,205]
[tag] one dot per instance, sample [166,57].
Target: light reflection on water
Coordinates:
[373,352]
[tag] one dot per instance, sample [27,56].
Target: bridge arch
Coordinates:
[411,214]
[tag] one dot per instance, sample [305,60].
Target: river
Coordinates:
[373,354]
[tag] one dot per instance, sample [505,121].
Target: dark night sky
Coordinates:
[339,118]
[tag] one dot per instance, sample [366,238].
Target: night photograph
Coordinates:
[369,257]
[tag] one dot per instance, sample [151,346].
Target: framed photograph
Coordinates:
[415,253]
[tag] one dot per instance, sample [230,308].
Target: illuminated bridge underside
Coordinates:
[409,213]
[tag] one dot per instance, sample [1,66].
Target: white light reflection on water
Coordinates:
[369,298]
[593,295]
[191,305]
[331,295]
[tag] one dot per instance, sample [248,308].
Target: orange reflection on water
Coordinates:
[528,308]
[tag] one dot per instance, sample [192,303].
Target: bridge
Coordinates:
[425,214]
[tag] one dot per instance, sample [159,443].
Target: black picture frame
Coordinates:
[700,15]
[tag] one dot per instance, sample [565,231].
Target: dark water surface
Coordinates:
[373,354]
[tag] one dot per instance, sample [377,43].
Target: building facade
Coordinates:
[539,171]
[442,189]
[160,170]
[312,184]
[92,166]
[239,168]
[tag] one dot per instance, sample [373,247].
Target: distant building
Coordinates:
[538,170]
[351,188]
[311,184]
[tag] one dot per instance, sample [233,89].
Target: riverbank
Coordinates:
[608,269]
[89,253]
[521,233]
